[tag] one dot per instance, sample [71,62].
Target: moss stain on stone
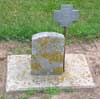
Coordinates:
[36,66]
[43,42]
[54,56]
[64,76]
[58,70]
[34,57]
[61,79]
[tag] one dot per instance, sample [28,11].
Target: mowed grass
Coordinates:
[20,19]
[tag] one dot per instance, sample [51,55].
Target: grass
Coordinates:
[31,92]
[2,97]
[52,91]
[20,19]
[48,93]
[49,90]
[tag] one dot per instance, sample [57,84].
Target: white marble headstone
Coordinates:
[47,53]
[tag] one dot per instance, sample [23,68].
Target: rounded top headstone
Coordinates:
[47,34]
[47,53]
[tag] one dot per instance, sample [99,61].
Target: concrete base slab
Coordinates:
[76,75]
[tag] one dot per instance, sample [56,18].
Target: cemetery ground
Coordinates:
[90,48]
[20,19]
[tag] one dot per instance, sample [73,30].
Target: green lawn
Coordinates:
[20,19]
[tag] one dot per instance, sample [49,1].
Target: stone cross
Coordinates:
[66,15]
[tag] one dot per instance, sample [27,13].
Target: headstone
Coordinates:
[48,58]
[47,53]
[66,15]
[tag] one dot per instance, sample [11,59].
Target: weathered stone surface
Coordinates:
[77,74]
[47,53]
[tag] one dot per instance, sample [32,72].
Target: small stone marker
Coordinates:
[47,53]
[66,15]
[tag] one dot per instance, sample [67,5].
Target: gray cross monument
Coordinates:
[66,15]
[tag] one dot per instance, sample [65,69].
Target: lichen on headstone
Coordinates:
[47,53]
